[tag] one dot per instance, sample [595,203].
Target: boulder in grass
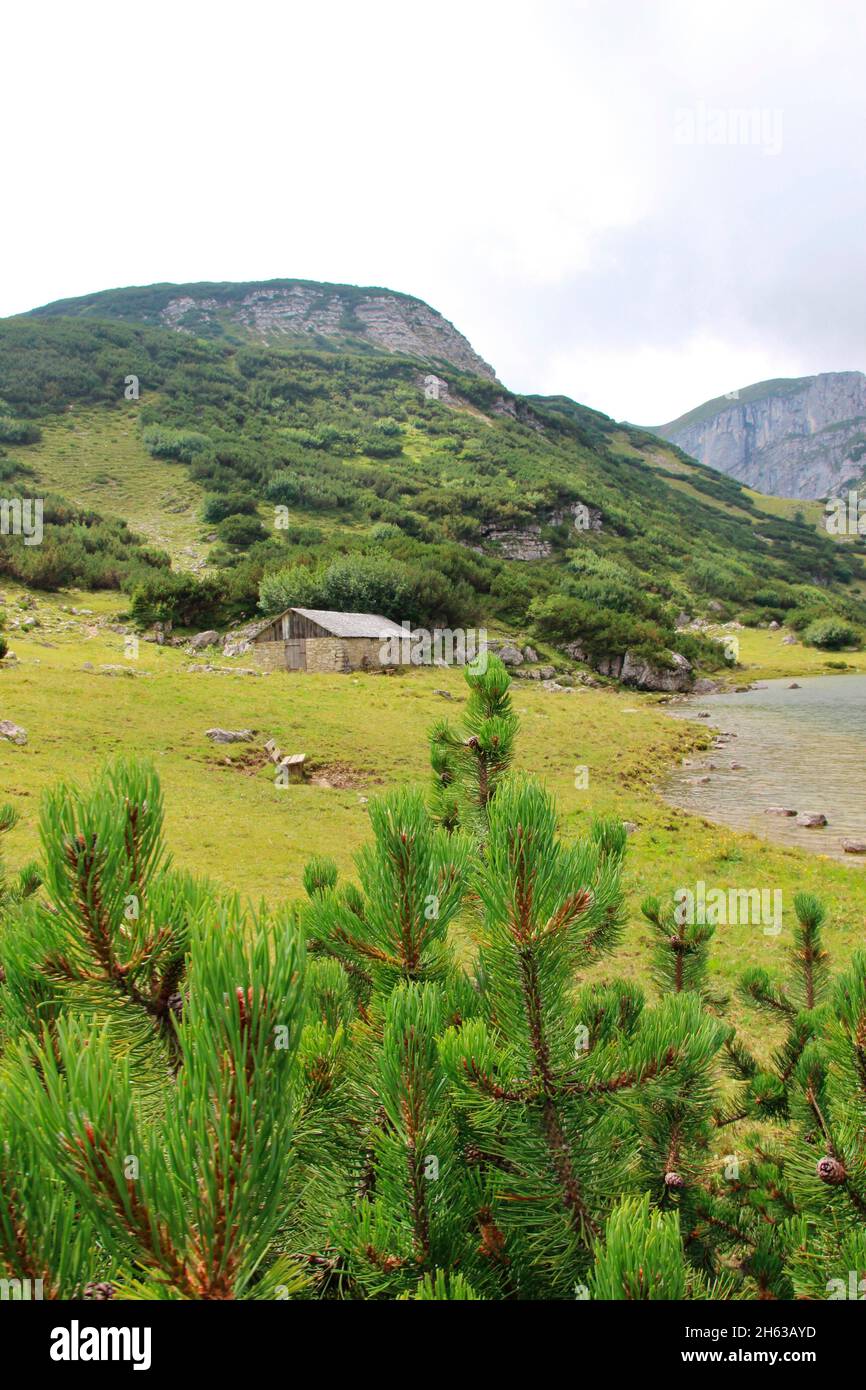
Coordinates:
[13,732]
[530,654]
[854,846]
[230,735]
[812,820]
[510,655]
[204,639]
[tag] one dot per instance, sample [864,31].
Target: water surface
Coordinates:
[804,749]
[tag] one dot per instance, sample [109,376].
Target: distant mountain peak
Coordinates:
[791,436]
[271,311]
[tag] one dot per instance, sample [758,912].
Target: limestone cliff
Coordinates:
[794,437]
[272,311]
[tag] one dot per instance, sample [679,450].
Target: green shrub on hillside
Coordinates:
[181,445]
[218,505]
[177,598]
[366,584]
[241,531]
[18,431]
[831,634]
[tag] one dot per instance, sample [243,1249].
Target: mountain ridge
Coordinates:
[802,437]
[327,473]
[280,310]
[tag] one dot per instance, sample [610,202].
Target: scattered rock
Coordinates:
[794,686]
[738,767]
[630,826]
[778,811]
[704,686]
[774,626]
[812,820]
[235,646]
[698,781]
[230,735]
[530,654]
[854,846]
[703,714]
[789,641]
[512,656]
[548,673]
[204,639]
[13,732]
[446,694]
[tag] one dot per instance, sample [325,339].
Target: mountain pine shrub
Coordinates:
[400,1087]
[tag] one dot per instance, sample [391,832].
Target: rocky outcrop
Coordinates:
[270,311]
[798,437]
[635,670]
[528,543]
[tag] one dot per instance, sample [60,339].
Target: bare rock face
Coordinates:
[637,671]
[528,543]
[271,310]
[797,437]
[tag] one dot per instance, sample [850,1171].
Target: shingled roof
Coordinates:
[344,624]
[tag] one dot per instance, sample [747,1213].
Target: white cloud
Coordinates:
[512,163]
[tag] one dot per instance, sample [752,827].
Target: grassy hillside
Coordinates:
[96,459]
[328,475]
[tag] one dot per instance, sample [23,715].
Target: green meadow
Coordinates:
[364,734]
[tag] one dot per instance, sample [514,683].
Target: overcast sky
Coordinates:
[638,203]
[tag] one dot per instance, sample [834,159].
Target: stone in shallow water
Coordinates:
[812,820]
[854,846]
[779,811]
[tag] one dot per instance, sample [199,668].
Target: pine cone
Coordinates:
[674,1180]
[831,1170]
[99,1293]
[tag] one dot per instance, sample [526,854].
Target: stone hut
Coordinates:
[315,639]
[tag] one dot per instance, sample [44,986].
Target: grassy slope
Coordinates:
[95,458]
[244,832]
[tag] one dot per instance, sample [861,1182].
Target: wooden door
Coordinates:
[296,654]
